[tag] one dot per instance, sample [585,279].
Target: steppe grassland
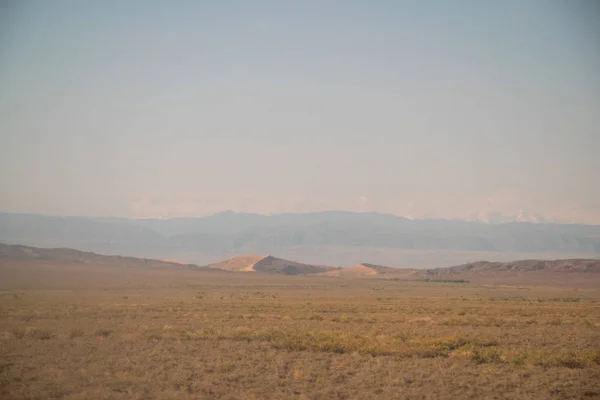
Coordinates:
[117,334]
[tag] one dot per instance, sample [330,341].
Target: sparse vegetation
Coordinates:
[75,333]
[188,335]
[103,333]
[39,333]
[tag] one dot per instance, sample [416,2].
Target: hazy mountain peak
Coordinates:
[498,217]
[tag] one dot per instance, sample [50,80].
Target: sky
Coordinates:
[146,108]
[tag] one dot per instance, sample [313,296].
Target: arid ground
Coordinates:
[110,332]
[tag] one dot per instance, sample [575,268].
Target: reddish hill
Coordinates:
[483,267]
[475,268]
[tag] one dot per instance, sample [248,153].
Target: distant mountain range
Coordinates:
[496,217]
[308,236]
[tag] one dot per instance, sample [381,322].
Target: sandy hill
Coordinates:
[365,270]
[269,264]
[243,263]
[18,253]
[274,265]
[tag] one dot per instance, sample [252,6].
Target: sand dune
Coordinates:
[269,264]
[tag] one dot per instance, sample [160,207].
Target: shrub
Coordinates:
[39,333]
[487,355]
[571,299]
[19,333]
[75,333]
[103,332]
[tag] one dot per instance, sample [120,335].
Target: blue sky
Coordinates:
[182,108]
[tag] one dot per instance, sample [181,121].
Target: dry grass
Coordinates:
[199,336]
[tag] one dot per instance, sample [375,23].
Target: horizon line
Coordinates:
[229,211]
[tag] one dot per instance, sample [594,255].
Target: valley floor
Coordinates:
[132,334]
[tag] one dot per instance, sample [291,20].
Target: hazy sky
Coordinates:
[182,108]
